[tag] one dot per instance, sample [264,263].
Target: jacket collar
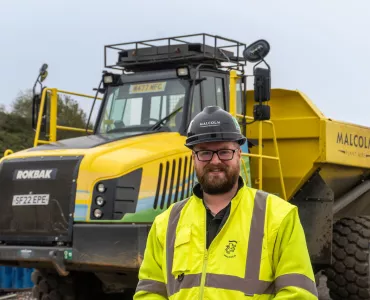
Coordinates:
[199,205]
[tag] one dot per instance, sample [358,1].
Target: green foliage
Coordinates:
[22,105]
[16,131]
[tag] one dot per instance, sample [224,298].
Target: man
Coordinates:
[227,241]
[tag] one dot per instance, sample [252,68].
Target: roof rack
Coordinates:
[178,50]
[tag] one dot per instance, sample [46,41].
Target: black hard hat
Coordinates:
[213,124]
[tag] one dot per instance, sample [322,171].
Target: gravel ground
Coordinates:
[17,296]
[323,293]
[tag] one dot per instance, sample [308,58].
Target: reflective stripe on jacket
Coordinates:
[260,253]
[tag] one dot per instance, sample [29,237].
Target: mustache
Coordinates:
[211,168]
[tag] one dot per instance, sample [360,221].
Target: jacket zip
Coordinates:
[205,259]
[203,279]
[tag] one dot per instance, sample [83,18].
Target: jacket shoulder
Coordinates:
[273,201]
[278,212]
[277,209]
[278,206]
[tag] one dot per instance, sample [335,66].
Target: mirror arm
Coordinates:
[244,105]
[99,89]
[262,60]
[34,86]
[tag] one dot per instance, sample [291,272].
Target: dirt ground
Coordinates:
[323,293]
[16,296]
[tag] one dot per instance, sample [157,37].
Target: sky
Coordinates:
[319,47]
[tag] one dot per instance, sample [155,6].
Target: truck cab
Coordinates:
[174,86]
[158,101]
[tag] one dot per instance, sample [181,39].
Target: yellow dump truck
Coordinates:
[79,210]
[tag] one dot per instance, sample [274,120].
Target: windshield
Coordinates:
[134,108]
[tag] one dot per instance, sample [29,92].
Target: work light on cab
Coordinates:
[108,79]
[182,72]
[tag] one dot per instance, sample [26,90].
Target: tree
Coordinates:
[70,114]
[22,105]
[15,133]
[16,130]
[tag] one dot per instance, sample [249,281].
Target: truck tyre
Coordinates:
[349,275]
[48,285]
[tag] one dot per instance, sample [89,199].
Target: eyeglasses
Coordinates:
[223,154]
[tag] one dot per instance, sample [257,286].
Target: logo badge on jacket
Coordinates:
[230,249]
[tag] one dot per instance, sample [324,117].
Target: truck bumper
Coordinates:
[112,247]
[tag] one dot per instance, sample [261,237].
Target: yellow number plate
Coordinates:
[147,87]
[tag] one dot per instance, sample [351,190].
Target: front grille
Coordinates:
[29,219]
[175,182]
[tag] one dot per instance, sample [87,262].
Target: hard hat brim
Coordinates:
[215,137]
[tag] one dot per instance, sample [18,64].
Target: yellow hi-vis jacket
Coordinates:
[260,253]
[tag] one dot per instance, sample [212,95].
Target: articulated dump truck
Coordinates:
[79,210]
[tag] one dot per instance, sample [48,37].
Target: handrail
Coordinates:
[260,155]
[8,152]
[53,115]
[247,177]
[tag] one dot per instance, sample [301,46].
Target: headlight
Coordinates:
[101,188]
[112,198]
[99,201]
[98,213]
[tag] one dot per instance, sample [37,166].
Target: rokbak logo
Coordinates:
[35,174]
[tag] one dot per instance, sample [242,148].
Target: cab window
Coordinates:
[239,92]
[196,106]
[213,92]
[136,106]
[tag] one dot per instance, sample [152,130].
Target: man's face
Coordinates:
[217,176]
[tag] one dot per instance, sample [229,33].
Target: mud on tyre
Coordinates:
[48,285]
[349,275]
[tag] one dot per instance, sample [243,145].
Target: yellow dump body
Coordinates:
[308,142]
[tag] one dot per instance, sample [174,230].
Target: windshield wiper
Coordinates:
[157,125]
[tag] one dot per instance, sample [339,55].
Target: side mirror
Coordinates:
[262,89]
[262,85]
[43,72]
[36,101]
[256,51]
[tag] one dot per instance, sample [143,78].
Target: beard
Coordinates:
[216,184]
